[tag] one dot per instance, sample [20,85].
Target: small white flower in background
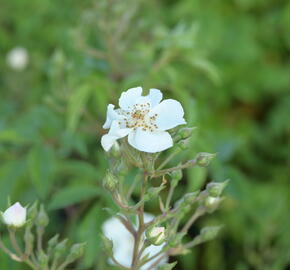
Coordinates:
[17,58]
[123,242]
[15,215]
[156,235]
[144,119]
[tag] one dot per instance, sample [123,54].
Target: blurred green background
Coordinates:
[226,61]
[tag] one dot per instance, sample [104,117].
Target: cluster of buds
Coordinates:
[56,255]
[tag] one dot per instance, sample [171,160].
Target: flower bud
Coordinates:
[115,150]
[60,248]
[207,234]
[110,181]
[183,144]
[156,235]
[52,243]
[43,260]
[15,216]
[18,58]
[76,251]
[167,266]
[215,189]
[211,203]
[153,192]
[185,132]
[32,211]
[203,159]
[42,218]
[176,177]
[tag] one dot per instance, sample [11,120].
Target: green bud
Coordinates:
[167,266]
[215,189]
[175,239]
[76,251]
[60,248]
[43,260]
[153,192]
[32,211]
[203,159]
[115,151]
[187,200]
[185,132]
[42,219]
[183,144]
[207,234]
[212,203]
[107,245]
[110,181]
[156,235]
[52,243]
[176,176]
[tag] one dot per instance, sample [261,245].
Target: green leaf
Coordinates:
[73,195]
[76,105]
[41,163]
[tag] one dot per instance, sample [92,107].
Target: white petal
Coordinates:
[150,142]
[155,96]
[115,133]
[128,98]
[15,215]
[123,242]
[107,141]
[169,114]
[111,116]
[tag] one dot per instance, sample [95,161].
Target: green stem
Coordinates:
[194,217]
[169,197]
[158,173]
[138,236]
[19,251]
[171,156]
[40,232]
[12,255]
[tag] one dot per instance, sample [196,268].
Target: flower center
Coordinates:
[139,118]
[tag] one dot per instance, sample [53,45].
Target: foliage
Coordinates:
[226,61]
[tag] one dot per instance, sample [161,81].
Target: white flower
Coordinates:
[17,58]
[15,215]
[144,119]
[123,242]
[156,235]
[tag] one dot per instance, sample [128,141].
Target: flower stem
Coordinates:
[171,156]
[19,251]
[194,217]
[138,236]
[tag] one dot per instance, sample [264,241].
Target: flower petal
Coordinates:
[107,141]
[155,97]
[150,142]
[169,114]
[128,98]
[111,116]
[115,133]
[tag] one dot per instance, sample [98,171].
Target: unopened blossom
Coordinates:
[15,215]
[145,119]
[156,235]
[123,242]
[17,58]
